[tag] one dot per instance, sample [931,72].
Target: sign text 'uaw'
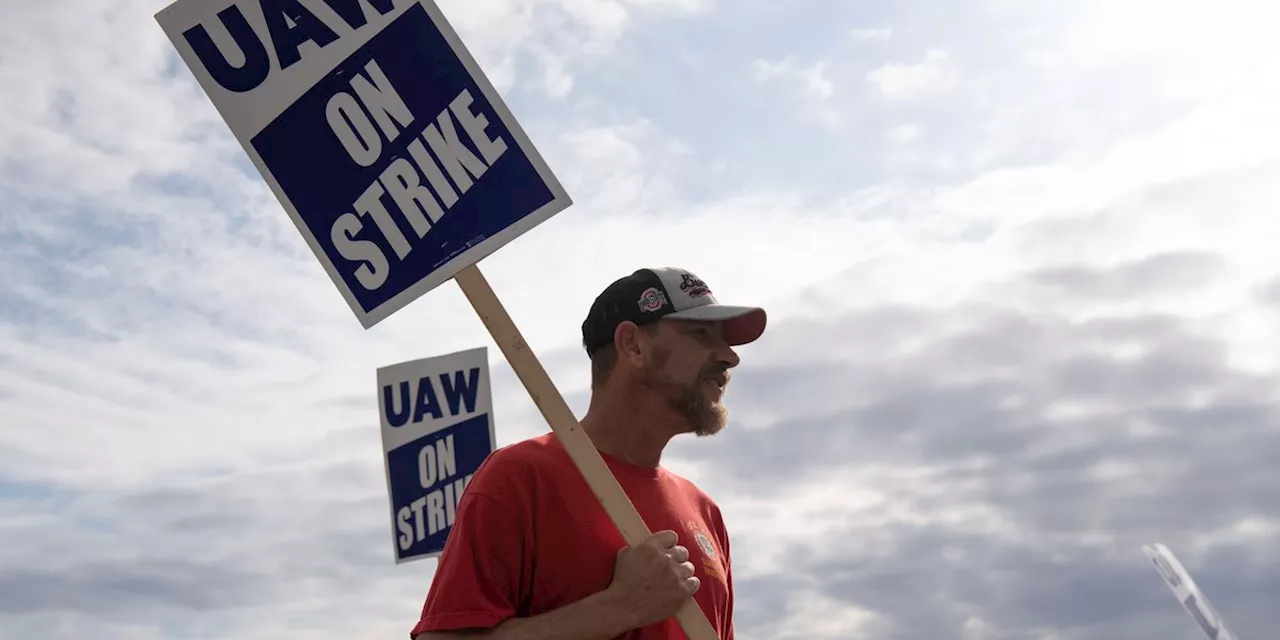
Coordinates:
[437,428]
[395,157]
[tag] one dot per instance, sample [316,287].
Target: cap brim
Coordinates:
[741,324]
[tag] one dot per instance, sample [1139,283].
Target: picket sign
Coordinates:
[399,164]
[436,419]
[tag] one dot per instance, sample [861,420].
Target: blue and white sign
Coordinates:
[1187,592]
[383,140]
[437,427]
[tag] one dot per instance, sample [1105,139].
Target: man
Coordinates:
[532,554]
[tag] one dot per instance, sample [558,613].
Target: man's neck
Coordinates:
[634,434]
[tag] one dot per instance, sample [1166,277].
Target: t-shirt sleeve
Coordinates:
[477,578]
[728,579]
[727,560]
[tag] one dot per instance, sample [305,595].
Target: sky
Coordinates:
[1015,256]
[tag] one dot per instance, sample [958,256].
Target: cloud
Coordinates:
[1022,308]
[812,75]
[910,81]
[816,88]
[903,134]
[963,463]
[1165,272]
[871,34]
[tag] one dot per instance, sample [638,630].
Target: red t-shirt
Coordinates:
[530,537]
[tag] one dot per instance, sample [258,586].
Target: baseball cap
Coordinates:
[650,294]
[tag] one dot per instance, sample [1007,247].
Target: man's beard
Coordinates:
[703,416]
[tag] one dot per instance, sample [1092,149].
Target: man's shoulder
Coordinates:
[540,449]
[707,505]
[690,488]
[518,464]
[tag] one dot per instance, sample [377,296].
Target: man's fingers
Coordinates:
[685,570]
[664,539]
[679,553]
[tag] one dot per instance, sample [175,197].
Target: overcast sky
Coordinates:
[1017,259]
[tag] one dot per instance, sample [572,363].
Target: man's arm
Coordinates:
[651,581]
[475,592]
[600,616]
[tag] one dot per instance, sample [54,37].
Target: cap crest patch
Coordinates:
[652,300]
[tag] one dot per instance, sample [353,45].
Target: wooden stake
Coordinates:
[566,427]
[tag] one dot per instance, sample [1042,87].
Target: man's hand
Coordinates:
[653,580]
[650,584]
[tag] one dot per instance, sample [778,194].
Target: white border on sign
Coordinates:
[481,357]
[560,198]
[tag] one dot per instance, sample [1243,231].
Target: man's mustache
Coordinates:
[718,374]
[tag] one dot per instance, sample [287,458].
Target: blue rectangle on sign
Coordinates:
[399,165]
[427,477]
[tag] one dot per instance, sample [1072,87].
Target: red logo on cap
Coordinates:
[652,299]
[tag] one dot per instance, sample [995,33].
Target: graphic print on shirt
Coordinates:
[710,560]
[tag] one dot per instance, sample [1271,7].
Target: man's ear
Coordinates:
[631,342]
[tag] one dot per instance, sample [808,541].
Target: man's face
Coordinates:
[689,369]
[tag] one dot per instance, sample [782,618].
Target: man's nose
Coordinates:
[730,357]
